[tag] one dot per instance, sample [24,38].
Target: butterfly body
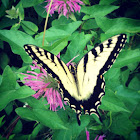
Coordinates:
[84,86]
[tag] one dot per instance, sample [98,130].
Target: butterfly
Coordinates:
[84,86]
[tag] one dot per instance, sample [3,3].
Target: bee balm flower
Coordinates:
[64,7]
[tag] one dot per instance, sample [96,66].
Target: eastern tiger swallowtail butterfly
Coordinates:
[84,87]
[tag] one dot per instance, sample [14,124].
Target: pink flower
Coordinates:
[99,137]
[37,81]
[87,134]
[64,7]
[54,99]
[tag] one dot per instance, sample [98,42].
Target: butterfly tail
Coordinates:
[78,118]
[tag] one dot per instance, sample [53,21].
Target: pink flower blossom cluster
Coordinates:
[37,82]
[64,7]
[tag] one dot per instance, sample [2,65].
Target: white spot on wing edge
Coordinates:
[97,103]
[100,95]
[25,47]
[92,110]
[72,106]
[78,112]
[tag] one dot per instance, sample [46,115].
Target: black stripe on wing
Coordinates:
[97,52]
[114,54]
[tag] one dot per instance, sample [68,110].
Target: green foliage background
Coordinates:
[97,21]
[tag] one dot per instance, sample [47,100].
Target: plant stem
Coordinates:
[46,21]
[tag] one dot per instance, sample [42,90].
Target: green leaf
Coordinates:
[68,27]
[73,129]
[128,95]
[15,26]
[29,27]
[51,35]
[41,11]
[34,103]
[136,112]
[36,130]
[17,40]
[9,108]
[122,122]
[13,13]
[44,116]
[112,78]
[118,25]
[76,46]
[5,3]
[8,80]
[58,31]
[4,60]
[26,113]
[133,66]
[89,24]
[57,46]
[98,10]
[112,103]
[10,95]
[61,21]
[103,2]
[127,57]
[30,3]
[2,10]
[18,127]
[21,11]
[135,84]
[124,76]
[49,118]
[5,22]
[2,121]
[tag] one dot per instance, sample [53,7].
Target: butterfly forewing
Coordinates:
[54,66]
